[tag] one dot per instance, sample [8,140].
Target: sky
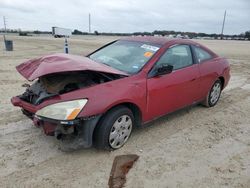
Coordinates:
[127,15]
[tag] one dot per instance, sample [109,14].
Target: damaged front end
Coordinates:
[59,83]
[42,101]
[74,134]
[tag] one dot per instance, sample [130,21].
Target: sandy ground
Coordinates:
[195,147]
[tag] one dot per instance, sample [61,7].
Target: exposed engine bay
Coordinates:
[55,84]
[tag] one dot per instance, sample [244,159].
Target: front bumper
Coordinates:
[78,132]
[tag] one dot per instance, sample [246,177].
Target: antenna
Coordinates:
[222,30]
[89,23]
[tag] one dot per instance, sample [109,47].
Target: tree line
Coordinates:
[244,35]
[167,33]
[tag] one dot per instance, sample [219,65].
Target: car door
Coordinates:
[169,92]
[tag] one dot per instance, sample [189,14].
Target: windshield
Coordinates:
[127,56]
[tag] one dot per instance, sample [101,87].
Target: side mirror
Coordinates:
[164,69]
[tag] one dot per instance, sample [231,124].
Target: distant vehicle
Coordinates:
[179,36]
[59,32]
[99,99]
[171,36]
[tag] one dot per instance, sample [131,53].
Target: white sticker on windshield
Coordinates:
[149,47]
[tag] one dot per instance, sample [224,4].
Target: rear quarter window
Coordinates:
[201,54]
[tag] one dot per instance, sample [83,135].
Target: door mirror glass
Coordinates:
[164,69]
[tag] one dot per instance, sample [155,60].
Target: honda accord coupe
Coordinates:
[99,99]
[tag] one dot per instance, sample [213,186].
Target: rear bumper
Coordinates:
[226,76]
[226,73]
[79,130]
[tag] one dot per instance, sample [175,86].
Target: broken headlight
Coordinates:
[63,111]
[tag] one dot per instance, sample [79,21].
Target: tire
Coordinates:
[114,129]
[214,94]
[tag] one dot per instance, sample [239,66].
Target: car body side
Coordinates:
[134,90]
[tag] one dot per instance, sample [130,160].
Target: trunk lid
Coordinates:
[57,63]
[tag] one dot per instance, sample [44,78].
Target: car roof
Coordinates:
[161,41]
[150,39]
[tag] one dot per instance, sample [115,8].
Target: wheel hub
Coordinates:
[120,131]
[215,93]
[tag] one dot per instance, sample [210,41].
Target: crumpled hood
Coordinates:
[59,62]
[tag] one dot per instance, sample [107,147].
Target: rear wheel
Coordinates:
[214,94]
[114,129]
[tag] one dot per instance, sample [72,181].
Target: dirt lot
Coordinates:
[195,147]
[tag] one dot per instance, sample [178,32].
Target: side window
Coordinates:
[201,54]
[178,56]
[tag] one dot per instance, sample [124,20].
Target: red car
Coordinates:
[99,99]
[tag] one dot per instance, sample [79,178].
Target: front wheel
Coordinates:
[114,129]
[214,94]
